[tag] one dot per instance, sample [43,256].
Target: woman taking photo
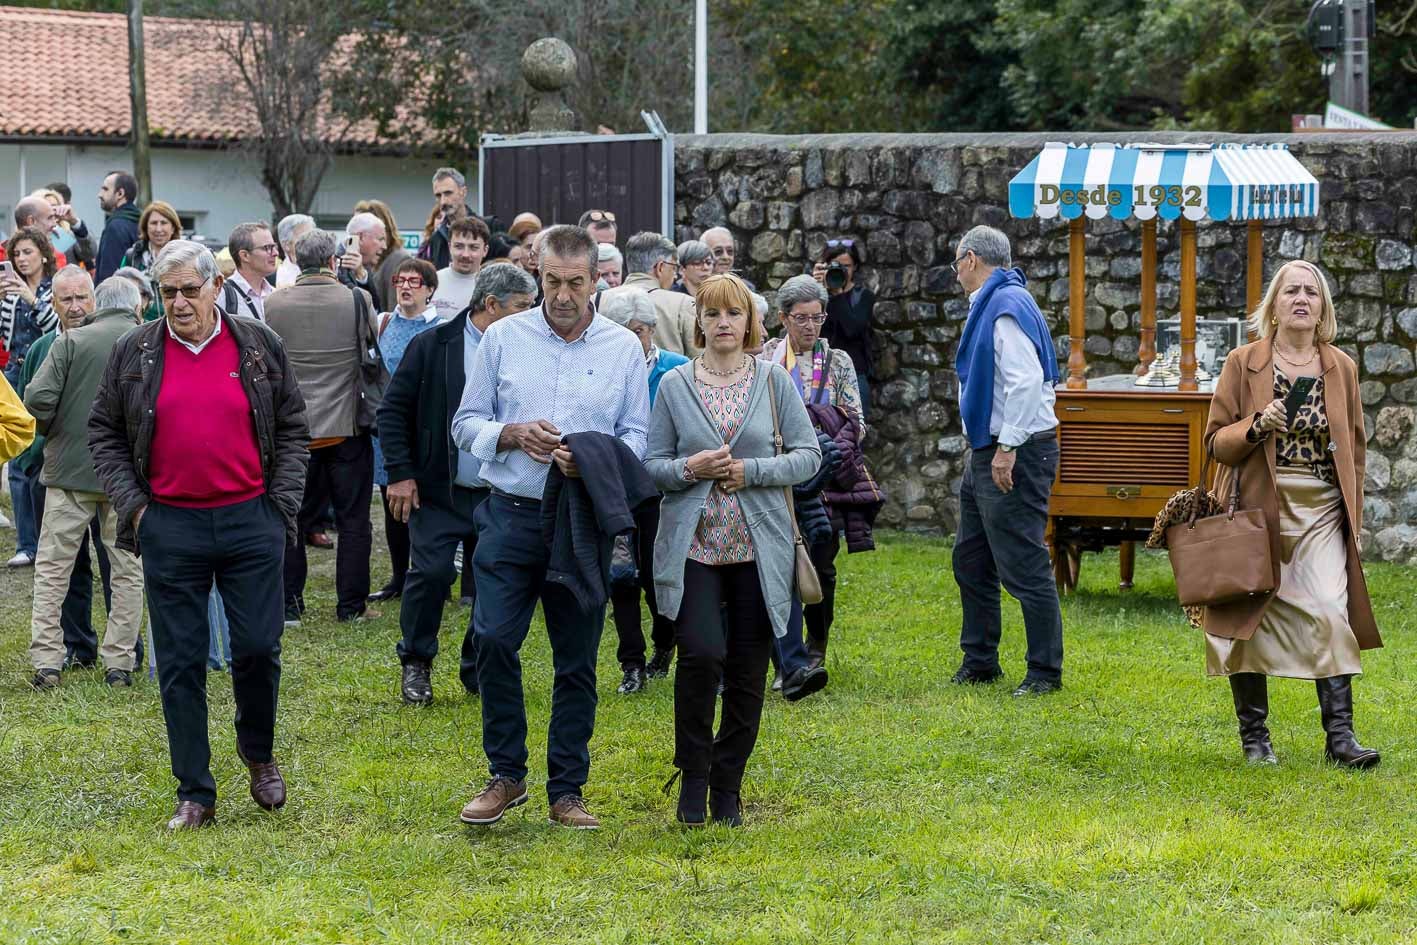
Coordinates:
[695,265]
[413,285]
[1306,475]
[26,312]
[850,311]
[821,374]
[724,555]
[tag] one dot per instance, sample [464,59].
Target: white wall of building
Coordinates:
[220,189]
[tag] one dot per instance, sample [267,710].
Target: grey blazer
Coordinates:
[680,426]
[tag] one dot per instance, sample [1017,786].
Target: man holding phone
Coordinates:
[362,245]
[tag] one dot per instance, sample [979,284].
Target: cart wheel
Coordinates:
[1067,561]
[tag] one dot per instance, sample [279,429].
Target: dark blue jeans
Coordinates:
[509,566]
[241,547]
[1000,539]
[435,530]
[26,529]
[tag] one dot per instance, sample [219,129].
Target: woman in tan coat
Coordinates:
[1308,480]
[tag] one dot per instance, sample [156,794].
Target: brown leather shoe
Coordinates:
[190,816]
[319,540]
[499,796]
[267,785]
[569,811]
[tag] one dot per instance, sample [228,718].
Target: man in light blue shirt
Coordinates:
[539,376]
[434,486]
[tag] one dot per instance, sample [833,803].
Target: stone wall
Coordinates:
[911,197]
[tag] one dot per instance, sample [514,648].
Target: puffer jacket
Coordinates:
[813,520]
[121,423]
[852,496]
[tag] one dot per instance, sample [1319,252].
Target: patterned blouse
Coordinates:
[393,342]
[838,385]
[722,536]
[1306,443]
[22,324]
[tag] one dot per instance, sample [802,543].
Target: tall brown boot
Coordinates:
[1336,707]
[1251,694]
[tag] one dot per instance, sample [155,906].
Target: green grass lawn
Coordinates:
[894,807]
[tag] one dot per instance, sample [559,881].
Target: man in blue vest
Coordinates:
[1007,365]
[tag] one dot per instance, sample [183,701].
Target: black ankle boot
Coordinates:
[1251,694]
[816,651]
[1336,707]
[693,798]
[723,806]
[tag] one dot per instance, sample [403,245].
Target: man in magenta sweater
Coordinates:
[199,437]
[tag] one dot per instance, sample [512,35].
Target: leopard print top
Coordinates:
[1306,443]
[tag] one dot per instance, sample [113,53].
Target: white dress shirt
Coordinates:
[1023,397]
[524,372]
[194,348]
[286,273]
[469,466]
[251,300]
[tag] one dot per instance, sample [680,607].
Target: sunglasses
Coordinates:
[169,292]
[846,244]
[412,282]
[601,216]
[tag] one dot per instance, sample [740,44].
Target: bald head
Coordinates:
[720,242]
[36,212]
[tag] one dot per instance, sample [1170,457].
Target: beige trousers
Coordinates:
[66,518]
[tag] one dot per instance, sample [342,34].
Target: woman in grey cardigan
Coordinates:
[724,556]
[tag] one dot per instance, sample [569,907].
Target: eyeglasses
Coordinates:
[954,266]
[805,320]
[412,282]
[268,248]
[169,292]
[600,216]
[677,268]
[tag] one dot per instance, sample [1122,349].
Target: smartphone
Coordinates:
[7,270]
[1297,395]
[351,244]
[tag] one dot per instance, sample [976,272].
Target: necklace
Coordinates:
[708,370]
[1295,364]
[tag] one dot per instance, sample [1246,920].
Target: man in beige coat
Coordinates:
[651,266]
[324,325]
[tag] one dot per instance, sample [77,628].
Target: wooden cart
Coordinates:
[1124,450]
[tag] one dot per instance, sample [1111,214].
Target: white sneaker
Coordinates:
[5,522]
[20,560]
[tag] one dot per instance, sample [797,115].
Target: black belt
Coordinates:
[1043,437]
[515,499]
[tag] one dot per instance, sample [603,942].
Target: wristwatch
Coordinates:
[1007,448]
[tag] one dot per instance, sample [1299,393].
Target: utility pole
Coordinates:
[701,67]
[138,96]
[1339,31]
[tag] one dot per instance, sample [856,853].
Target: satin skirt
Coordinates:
[1304,633]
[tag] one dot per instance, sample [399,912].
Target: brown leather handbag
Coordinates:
[809,584]
[1221,558]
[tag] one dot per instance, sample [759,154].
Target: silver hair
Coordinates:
[693,251]
[70,272]
[500,281]
[362,223]
[450,172]
[716,229]
[118,292]
[314,249]
[185,254]
[607,252]
[761,304]
[632,306]
[285,229]
[800,289]
[138,277]
[643,250]
[989,244]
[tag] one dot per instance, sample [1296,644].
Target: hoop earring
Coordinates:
[1274,321]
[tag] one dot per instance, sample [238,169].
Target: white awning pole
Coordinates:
[700,67]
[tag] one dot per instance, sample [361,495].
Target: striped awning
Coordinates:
[1147,181]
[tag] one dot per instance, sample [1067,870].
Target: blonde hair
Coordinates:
[725,291]
[1262,319]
